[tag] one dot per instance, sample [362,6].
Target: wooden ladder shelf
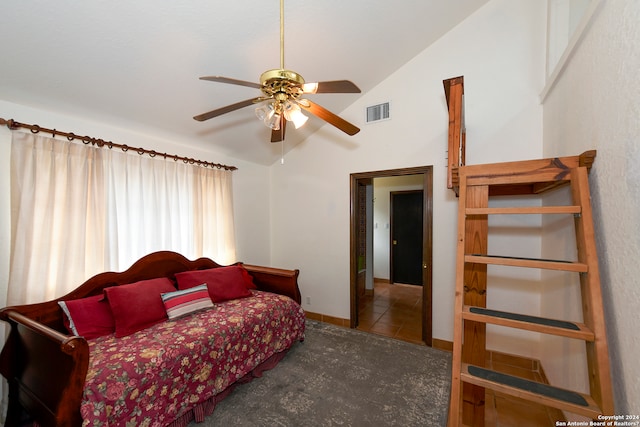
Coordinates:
[469,376]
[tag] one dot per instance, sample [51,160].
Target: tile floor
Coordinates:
[394,310]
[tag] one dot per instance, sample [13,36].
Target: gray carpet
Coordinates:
[343,377]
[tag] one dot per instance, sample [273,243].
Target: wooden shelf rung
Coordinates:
[562,328]
[567,400]
[546,264]
[525,210]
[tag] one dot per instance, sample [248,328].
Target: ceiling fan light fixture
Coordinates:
[273,122]
[269,116]
[264,111]
[293,114]
[310,87]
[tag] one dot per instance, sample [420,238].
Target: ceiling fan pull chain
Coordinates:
[282,149]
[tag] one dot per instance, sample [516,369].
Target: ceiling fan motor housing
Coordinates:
[282,84]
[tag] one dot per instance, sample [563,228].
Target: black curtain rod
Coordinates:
[14,125]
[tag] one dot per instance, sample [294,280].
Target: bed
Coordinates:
[162,373]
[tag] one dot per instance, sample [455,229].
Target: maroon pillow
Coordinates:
[248,279]
[89,317]
[223,283]
[138,305]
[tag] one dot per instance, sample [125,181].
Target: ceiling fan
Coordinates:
[283,89]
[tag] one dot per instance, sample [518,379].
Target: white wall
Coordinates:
[595,105]
[500,52]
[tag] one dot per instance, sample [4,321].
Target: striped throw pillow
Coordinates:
[186,301]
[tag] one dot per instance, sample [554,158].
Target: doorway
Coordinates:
[360,267]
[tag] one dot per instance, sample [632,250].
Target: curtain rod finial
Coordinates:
[11,124]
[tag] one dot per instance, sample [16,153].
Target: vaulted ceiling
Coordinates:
[139,62]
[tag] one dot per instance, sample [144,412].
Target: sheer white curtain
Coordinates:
[78,210]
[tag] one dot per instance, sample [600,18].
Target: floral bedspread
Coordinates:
[156,375]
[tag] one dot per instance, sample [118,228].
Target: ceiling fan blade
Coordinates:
[221,79]
[227,109]
[278,135]
[334,86]
[329,117]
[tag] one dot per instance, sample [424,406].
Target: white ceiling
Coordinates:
[138,62]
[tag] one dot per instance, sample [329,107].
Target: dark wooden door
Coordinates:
[406,237]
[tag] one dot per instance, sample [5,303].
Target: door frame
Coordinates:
[427,241]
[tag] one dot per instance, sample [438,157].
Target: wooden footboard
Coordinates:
[46,371]
[46,368]
[276,280]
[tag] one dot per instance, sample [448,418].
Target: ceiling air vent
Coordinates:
[376,113]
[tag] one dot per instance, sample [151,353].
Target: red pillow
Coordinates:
[89,317]
[138,305]
[223,283]
[248,279]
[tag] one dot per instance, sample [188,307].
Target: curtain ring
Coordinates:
[152,153]
[140,151]
[86,140]
[35,129]
[71,137]
[53,133]
[110,145]
[125,148]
